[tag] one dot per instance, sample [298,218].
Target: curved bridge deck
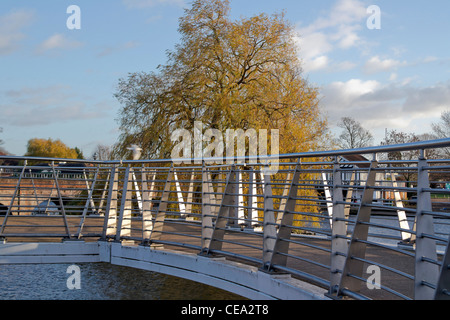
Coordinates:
[324,225]
[178,255]
[240,278]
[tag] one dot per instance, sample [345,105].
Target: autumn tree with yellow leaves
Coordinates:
[49,148]
[227,74]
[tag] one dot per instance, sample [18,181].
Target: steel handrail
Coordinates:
[135,205]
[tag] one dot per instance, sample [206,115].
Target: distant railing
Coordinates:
[351,221]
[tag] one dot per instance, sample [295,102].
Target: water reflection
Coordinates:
[100,281]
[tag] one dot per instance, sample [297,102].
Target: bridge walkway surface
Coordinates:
[189,236]
[339,224]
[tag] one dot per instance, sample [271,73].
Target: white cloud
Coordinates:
[313,45]
[11,32]
[344,98]
[378,106]
[375,65]
[337,30]
[429,100]
[45,105]
[318,63]
[58,41]
[344,13]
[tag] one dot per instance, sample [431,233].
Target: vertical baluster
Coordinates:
[147,223]
[160,217]
[125,207]
[190,197]
[110,222]
[241,210]
[357,248]
[16,191]
[328,198]
[425,272]
[339,245]
[281,247]
[89,202]
[180,197]
[207,219]
[269,227]
[217,235]
[63,210]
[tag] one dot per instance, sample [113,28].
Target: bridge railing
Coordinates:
[355,222]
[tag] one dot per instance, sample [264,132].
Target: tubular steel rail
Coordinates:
[352,221]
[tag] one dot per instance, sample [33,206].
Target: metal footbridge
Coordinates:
[347,224]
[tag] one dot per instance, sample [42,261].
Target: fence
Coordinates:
[352,221]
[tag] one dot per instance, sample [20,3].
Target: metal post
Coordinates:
[160,217]
[281,247]
[241,204]
[357,248]
[269,226]
[63,211]
[251,197]
[137,191]
[103,196]
[125,206]
[87,189]
[181,203]
[89,201]
[218,232]
[207,216]
[425,271]
[234,210]
[110,222]
[147,222]
[8,213]
[339,245]
[190,197]
[255,213]
[328,198]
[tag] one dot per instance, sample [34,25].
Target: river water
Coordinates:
[100,281]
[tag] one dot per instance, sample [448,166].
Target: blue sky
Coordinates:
[59,83]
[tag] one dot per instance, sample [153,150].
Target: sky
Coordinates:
[388,71]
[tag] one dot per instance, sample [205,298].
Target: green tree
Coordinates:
[80,154]
[50,149]
[227,74]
